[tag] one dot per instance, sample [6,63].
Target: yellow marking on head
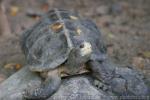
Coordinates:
[78,31]
[56,26]
[86,49]
[73,17]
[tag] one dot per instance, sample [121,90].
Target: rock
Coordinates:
[12,88]
[135,84]
[122,82]
[2,77]
[76,88]
[79,88]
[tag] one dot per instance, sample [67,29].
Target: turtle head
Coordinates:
[80,54]
[83,52]
[85,49]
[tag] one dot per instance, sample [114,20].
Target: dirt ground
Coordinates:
[125,27]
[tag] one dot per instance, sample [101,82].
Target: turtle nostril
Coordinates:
[82,46]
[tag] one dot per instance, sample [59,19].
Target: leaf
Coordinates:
[146,54]
[14,10]
[13,66]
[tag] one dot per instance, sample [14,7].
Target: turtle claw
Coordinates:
[26,94]
[35,94]
[101,85]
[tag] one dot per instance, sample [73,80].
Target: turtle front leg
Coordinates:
[46,89]
[122,81]
[103,71]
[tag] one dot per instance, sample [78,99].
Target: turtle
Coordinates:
[62,43]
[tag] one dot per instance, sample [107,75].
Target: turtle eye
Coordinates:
[82,46]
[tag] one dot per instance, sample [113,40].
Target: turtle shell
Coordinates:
[48,43]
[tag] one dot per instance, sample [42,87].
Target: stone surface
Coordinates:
[124,82]
[76,88]
[79,88]
[11,89]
